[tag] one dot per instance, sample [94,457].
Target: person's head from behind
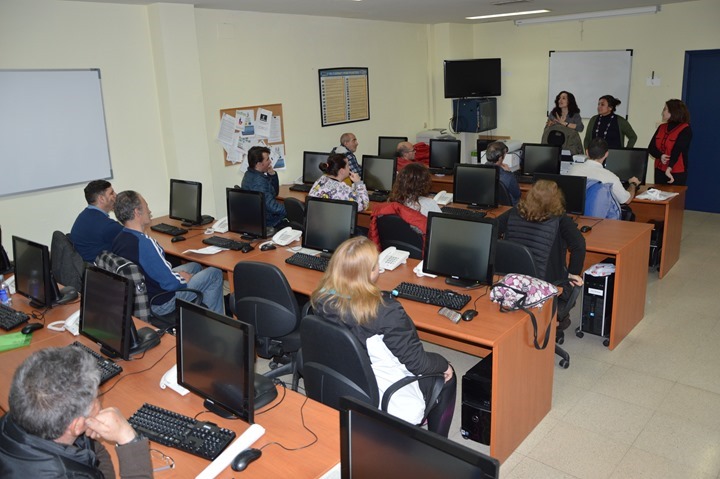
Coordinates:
[349,281]
[607,105]
[132,209]
[676,111]
[411,182]
[544,200]
[349,141]
[52,392]
[100,193]
[495,152]
[336,166]
[405,150]
[565,99]
[597,149]
[259,159]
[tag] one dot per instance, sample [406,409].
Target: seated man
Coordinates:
[55,419]
[406,154]
[260,176]
[134,245]
[94,230]
[593,169]
[495,154]
[348,146]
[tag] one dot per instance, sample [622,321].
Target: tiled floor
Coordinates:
[651,407]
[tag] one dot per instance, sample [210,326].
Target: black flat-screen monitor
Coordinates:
[216,361]
[476,185]
[461,249]
[376,444]
[573,188]
[474,78]
[328,223]
[379,173]
[33,274]
[186,203]
[539,158]
[444,154]
[387,145]
[628,162]
[311,165]
[106,315]
[246,212]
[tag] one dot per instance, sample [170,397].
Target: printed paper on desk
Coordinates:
[206,250]
[655,195]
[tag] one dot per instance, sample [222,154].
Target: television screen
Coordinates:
[379,173]
[628,162]
[479,77]
[444,154]
[573,188]
[328,223]
[311,165]
[387,145]
[246,212]
[476,185]
[540,159]
[33,276]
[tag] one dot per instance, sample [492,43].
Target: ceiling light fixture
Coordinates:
[500,15]
[589,15]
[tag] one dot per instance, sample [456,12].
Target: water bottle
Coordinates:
[5,296]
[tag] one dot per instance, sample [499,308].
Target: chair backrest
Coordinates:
[295,210]
[599,201]
[556,138]
[335,364]
[263,298]
[512,257]
[67,265]
[394,231]
[504,198]
[119,265]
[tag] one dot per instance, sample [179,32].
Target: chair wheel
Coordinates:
[560,339]
[564,364]
[579,334]
[606,343]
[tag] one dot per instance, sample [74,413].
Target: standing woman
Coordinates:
[566,112]
[609,126]
[670,144]
[332,184]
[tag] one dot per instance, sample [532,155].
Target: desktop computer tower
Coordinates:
[476,402]
[474,115]
[656,237]
[597,304]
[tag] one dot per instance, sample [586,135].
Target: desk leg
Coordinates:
[672,235]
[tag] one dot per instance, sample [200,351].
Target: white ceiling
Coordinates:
[410,11]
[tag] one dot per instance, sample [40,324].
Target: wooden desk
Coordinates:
[128,392]
[443,182]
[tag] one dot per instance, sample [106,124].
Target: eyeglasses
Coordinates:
[159,457]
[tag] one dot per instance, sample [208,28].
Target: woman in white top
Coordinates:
[411,187]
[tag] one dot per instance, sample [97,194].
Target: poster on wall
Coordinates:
[344,95]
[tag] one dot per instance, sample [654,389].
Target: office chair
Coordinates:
[295,213]
[67,265]
[142,310]
[263,298]
[394,231]
[512,257]
[335,364]
[504,198]
[556,138]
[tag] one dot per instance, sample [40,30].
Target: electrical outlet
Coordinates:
[652,81]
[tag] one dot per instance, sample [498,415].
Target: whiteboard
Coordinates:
[52,129]
[589,75]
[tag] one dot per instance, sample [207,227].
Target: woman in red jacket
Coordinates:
[670,144]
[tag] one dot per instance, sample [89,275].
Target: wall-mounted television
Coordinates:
[474,78]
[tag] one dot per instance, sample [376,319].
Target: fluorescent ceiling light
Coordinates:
[590,15]
[499,15]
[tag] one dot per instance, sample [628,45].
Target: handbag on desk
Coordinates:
[522,292]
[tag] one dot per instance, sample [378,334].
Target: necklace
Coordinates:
[607,128]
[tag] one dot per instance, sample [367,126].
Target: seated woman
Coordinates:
[540,223]
[347,294]
[332,184]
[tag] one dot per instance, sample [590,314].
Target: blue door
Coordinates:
[702,97]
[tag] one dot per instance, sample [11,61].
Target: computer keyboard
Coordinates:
[303,188]
[168,229]
[226,243]
[10,318]
[318,263]
[204,439]
[108,368]
[463,212]
[439,297]
[527,179]
[379,197]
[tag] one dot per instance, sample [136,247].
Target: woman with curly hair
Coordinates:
[411,187]
[566,112]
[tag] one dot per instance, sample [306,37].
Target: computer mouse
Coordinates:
[30,327]
[267,247]
[469,315]
[247,248]
[585,229]
[175,239]
[242,460]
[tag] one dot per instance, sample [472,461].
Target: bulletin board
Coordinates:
[244,127]
[344,95]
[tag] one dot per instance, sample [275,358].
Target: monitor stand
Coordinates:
[204,220]
[463,283]
[265,393]
[147,338]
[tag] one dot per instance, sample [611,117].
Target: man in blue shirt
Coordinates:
[94,231]
[260,176]
[495,154]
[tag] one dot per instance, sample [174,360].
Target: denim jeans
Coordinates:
[209,281]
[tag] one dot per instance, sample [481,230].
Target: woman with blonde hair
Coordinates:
[348,295]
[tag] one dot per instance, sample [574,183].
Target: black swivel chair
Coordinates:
[263,298]
[556,138]
[504,198]
[394,231]
[512,257]
[67,265]
[295,210]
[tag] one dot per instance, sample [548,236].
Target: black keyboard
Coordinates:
[527,179]
[463,212]
[204,439]
[304,188]
[10,318]
[439,297]
[379,197]
[440,171]
[226,243]
[108,368]
[318,263]
[168,229]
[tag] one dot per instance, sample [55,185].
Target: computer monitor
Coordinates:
[387,145]
[628,162]
[328,223]
[106,315]
[311,165]
[246,212]
[376,444]
[573,188]
[186,203]
[216,361]
[461,249]
[476,185]
[379,173]
[33,275]
[539,158]
[444,154]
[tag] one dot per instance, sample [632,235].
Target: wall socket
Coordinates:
[649,81]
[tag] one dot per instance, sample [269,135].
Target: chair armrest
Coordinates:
[437,387]
[198,295]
